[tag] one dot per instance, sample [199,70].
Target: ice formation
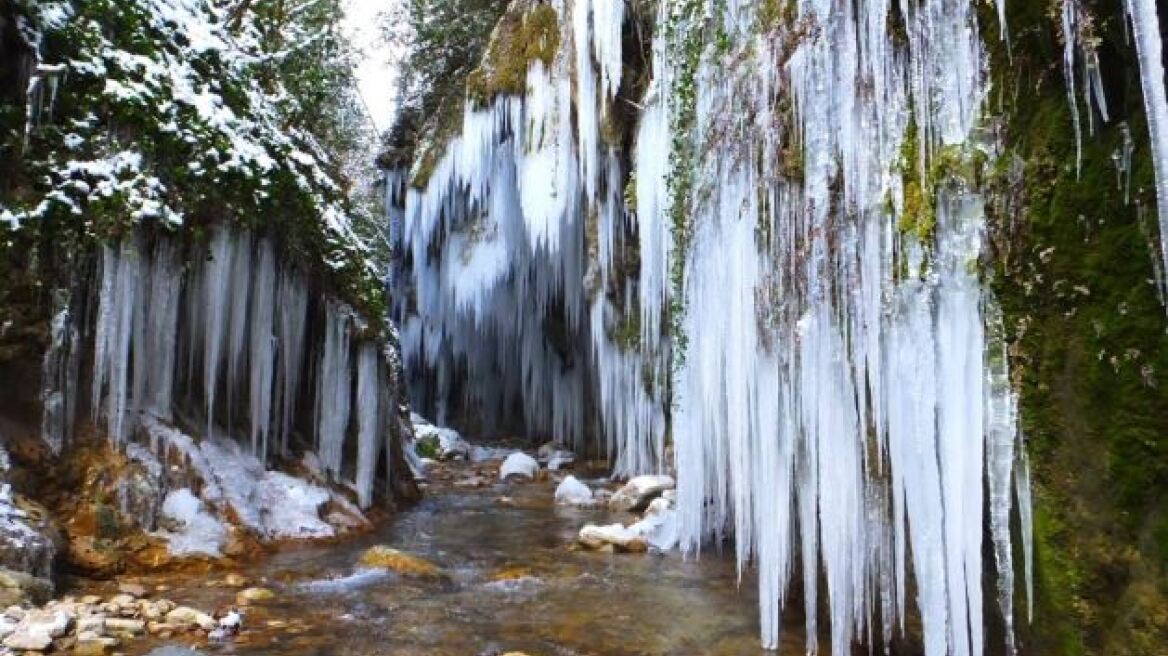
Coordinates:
[1146,27]
[234,341]
[843,406]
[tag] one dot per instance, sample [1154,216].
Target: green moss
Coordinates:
[428,447]
[518,41]
[774,15]
[1072,269]
[627,334]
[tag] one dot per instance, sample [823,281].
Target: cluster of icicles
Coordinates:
[844,404]
[228,341]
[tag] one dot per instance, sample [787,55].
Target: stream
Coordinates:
[513,580]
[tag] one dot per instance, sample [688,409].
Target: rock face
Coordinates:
[571,492]
[519,464]
[639,491]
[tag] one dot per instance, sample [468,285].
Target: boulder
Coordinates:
[571,492]
[519,464]
[639,491]
[383,557]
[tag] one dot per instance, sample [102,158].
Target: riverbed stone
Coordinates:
[616,536]
[252,595]
[188,617]
[635,495]
[124,625]
[91,624]
[384,557]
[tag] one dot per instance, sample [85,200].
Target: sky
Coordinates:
[377,72]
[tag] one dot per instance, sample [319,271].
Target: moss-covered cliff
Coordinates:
[1074,251]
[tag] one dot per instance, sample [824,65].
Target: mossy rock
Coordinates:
[388,558]
[519,40]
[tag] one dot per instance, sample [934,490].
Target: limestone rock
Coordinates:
[639,491]
[384,557]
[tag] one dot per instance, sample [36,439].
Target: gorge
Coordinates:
[881,284]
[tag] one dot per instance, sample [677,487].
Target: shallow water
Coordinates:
[552,599]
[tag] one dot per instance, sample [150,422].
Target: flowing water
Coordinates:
[514,581]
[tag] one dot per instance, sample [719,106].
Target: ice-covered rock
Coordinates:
[571,492]
[659,526]
[441,443]
[272,504]
[191,530]
[37,629]
[519,464]
[618,536]
[639,491]
[561,460]
[27,539]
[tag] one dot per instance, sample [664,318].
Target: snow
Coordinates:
[571,492]
[518,464]
[451,446]
[197,532]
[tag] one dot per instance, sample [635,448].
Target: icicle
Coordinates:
[333,401]
[262,344]
[369,420]
[216,293]
[292,308]
[59,372]
[1146,27]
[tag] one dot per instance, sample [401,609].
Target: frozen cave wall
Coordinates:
[862,267]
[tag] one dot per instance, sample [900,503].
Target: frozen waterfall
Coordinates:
[234,343]
[844,403]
